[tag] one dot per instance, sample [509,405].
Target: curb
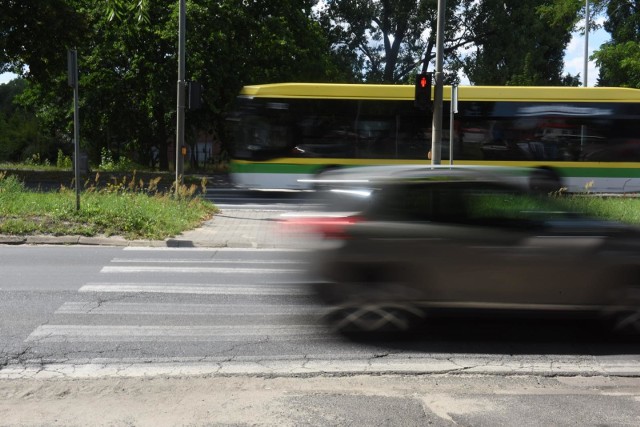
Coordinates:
[80,369]
[121,242]
[79,240]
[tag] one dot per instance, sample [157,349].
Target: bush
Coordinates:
[109,164]
[10,184]
[63,161]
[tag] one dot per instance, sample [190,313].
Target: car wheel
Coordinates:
[373,318]
[627,317]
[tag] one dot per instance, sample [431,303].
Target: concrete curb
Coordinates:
[81,240]
[121,242]
[311,368]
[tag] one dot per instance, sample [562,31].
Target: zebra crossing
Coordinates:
[249,314]
[152,304]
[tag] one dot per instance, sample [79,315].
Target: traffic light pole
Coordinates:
[181,96]
[436,133]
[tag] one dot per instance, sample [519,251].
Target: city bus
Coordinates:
[282,136]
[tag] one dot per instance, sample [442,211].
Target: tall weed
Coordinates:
[124,207]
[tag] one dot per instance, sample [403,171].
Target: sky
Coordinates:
[574,55]
[573,60]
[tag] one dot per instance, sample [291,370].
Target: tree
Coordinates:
[128,67]
[389,41]
[534,57]
[126,9]
[20,131]
[233,43]
[619,58]
[34,36]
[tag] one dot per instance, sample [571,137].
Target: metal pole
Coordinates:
[583,130]
[586,43]
[72,59]
[181,94]
[452,111]
[76,138]
[436,133]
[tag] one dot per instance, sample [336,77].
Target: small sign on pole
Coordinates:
[453,110]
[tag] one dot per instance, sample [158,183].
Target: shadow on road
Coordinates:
[506,336]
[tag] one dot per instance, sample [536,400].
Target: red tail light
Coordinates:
[327,227]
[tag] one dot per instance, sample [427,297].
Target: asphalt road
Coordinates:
[245,310]
[143,336]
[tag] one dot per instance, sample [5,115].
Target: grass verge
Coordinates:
[128,208]
[622,209]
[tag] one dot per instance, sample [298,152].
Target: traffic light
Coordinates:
[423,91]
[195,90]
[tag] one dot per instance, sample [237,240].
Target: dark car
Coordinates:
[402,243]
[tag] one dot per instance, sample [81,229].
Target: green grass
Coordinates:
[25,166]
[125,209]
[623,209]
[525,206]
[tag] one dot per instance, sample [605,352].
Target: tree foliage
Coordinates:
[389,41]
[128,66]
[125,10]
[128,56]
[20,133]
[520,46]
[619,58]
[35,35]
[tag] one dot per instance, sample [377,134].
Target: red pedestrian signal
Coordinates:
[423,91]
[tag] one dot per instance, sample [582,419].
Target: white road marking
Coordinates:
[203,249]
[199,261]
[185,270]
[185,309]
[163,333]
[194,289]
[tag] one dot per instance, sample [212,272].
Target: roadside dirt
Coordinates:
[351,400]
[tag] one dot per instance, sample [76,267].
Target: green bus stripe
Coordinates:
[274,168]
[312,166]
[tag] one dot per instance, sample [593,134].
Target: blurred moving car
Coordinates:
[408,242]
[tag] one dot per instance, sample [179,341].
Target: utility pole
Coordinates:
[453,110]
[436,133]
[181,95]
[586,42]
[583,128]
[72,65]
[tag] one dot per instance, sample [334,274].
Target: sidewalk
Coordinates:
[241,228]
[231,228]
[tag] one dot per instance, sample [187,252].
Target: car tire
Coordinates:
[626,321]
[374,319]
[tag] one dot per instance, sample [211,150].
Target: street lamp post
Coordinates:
[181,95]
[586,42]
[436,132]
[583,128]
